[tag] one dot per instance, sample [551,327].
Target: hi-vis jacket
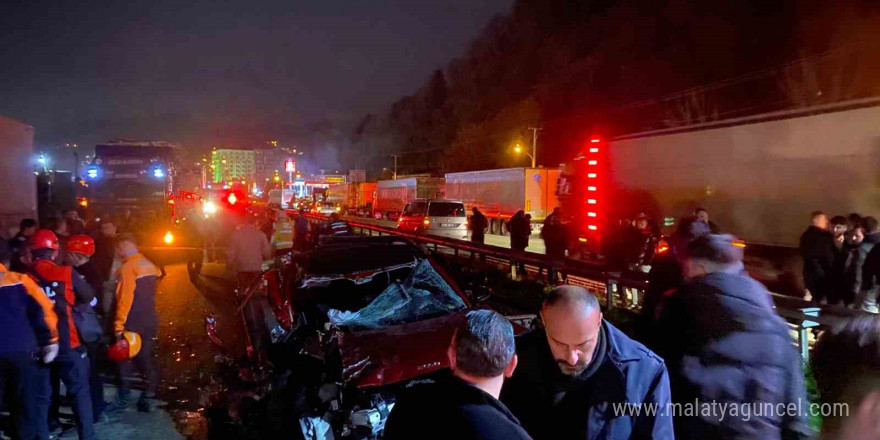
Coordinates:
[136,296]
[29,322]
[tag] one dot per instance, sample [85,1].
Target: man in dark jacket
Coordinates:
[520,229]
[818,251]
[576,376]
[478,226]
[868,269]
[666,274]
[726,346]
[846,364]
[466,406]
[703,215]
[18,245]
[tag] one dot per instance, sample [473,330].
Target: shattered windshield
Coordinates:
[422,295]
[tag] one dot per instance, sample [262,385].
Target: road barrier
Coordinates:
[615,290]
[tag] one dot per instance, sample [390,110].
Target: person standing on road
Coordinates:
[104,258]
[852,259]
[555,243]
[723,342]
[136,312]
[301,231]
[248,248]
[18,245]
[519,229]
[478,226]
[65,287]
[666,274]
[571,372]
[465,406]
[817,250]
[28,341]
[846,365]
[869,267]
[703,215]
[80,249]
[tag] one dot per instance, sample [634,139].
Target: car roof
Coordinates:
[344,255]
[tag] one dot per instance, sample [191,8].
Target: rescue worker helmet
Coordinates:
[82,244]
[44,239]
[127,347]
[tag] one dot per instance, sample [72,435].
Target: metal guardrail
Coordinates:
[615,290]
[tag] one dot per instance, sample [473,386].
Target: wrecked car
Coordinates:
[371,316]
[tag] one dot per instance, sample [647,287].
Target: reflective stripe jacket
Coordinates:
[73,287]
[136,296]
[26,313]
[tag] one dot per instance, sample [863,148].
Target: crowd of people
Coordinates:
[841,263]
[74,293]
[719,364]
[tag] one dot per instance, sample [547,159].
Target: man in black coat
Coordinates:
[818,252]
[869,267]
[846,364]
[726,346]
[665,275]
[465,406]
[478,225]
[578,374]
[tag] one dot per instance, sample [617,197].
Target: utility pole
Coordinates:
[394,173]
[535,131]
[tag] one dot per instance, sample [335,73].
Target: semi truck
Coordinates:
[393,195]
[131,175]
[352,198]
[500,193]
[759,177]
[16,173]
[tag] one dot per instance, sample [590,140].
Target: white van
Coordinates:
[436,217]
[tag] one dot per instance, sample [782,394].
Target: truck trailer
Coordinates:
[500,193]
[352,198]
[393,195]
[16,173]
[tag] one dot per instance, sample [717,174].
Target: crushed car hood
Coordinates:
[394,354]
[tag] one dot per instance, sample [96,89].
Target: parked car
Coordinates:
[447,218]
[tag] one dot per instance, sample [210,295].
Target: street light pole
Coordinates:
[535,131]
[394,173]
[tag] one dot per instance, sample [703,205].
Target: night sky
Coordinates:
[232,72]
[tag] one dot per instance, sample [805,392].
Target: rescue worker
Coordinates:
[65,287]
[337,226]
[282,234]
[28,341]
[301,231]
[136,312]
[80,249]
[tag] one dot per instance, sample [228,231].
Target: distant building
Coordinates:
[266,161]
[233,165]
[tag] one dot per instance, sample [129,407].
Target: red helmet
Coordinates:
[44,239]
[82,244]
[127,347]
